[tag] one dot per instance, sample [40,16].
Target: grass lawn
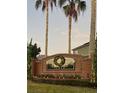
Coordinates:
[49,88]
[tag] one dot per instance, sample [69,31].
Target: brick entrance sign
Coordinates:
[64,65]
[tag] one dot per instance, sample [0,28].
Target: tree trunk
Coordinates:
[46,33]
[92,44]
[69,35]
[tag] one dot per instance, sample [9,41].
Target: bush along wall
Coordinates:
[58,76]
[73,80]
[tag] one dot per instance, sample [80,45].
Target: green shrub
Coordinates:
[59,76]
[77,76]
[83,83]
[51,76]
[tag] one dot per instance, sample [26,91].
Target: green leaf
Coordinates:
[38,3]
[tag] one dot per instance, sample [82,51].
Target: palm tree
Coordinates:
[92,45]
[72,9]
[45,6]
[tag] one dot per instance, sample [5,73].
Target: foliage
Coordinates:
[77,76]
[59,76]
[72,7]
[71,82]
[32,52]
[43,3]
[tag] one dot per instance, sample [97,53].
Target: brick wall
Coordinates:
[82,66]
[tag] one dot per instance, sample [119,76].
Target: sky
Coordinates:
[58,28]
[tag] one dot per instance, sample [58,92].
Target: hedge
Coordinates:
[59,76]
[82,83]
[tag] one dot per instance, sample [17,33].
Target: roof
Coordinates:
[84,45]
[40,56]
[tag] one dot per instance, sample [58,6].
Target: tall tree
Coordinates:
[32,52]
[45,7]
[72,9]
[92,45]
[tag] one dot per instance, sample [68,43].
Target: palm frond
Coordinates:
[51,4]
[82,5]
[54,1]
[61,2]
[38,3]
[73,7]
[43,6]
[72,4]
[66,10]
[75,15]
[77,1]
